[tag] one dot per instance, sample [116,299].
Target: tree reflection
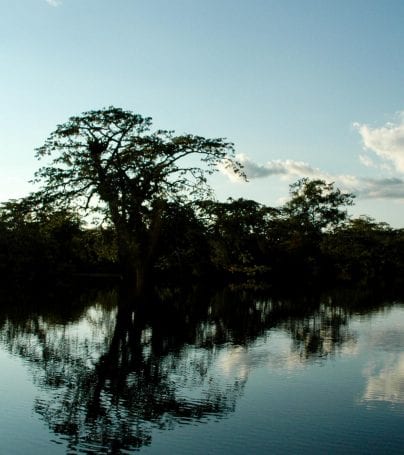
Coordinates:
[322,333]
[109,373]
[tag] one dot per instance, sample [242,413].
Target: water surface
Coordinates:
[230,372]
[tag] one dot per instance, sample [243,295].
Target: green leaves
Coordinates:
[317,205]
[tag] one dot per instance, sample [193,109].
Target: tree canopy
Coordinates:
[148,196]
[317,205]
[110,162]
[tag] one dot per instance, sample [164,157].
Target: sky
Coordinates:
[303,88]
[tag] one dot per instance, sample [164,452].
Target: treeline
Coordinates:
[309,239]
[118,198]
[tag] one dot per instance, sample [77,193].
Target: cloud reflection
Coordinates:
[386,382]
[289,348]
[238,361]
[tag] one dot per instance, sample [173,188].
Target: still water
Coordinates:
[230,372]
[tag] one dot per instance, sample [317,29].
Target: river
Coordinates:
[227,372]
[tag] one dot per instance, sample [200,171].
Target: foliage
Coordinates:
[365,250]
[110,162]
[38,241]
[237,232]
[152,213]
[183,248]
[316,206]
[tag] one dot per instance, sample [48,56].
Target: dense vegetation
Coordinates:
[234,240]
[120,200]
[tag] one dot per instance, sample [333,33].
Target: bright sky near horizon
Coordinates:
[302,87]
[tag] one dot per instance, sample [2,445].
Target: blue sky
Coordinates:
[302,87]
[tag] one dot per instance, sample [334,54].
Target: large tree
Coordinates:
[110,162]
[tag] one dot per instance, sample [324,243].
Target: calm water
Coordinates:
[226,373]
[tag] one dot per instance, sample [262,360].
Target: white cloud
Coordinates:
[286,168]
[367,188]
[367,161]
[54,3]
[226,168]
[386,141]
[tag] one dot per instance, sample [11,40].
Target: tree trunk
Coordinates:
[140,279]
[135,274]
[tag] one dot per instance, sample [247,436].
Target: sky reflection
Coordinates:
[113,377]
[385,380]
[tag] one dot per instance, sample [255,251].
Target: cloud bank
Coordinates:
[369,188]
[386,143]
[276,167]
[282,168]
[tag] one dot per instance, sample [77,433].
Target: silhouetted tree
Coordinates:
[36,240]
[237,230]
[316,206]
[364,250]
[108,161]
[183,249]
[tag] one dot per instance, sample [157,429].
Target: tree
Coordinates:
[316,205]
[36,241]
[108,161]
[365,250]
[314,209]
[183,249]
[237,231]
